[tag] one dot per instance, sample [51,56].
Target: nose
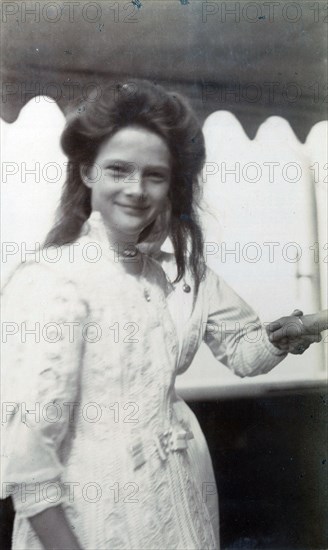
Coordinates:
[135,186]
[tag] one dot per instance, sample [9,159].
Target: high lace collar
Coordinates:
[95,229]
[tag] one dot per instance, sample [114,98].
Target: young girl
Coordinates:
[99,452]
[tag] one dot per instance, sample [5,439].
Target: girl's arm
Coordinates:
[38,371]
[234,332]
[53,530]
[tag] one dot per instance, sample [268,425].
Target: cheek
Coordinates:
[161,194]
[160,203]
[106,187]
[102,195]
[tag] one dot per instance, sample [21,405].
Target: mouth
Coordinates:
[133,207]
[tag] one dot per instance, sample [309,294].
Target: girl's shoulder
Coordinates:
[40,287]
[40,273]
[168,264]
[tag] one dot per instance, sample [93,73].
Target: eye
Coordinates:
[157,176]
[118,170]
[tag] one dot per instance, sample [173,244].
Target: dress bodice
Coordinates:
[91,355]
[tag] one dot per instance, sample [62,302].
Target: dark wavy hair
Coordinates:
[137,103]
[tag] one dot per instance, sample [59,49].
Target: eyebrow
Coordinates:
[128,163]
[162,167]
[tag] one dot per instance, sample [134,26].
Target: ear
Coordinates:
[85,170]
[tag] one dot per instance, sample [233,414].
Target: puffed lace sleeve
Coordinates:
[42,351]
[234,332]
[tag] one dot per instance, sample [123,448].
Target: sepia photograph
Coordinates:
[164,250]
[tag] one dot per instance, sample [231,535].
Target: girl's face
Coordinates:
[130,180]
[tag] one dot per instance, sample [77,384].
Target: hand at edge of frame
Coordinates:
[294,333]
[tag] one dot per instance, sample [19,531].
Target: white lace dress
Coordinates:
[91,419]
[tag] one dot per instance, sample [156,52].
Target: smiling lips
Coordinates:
[133,206]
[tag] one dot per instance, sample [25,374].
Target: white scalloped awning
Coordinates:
[255,62]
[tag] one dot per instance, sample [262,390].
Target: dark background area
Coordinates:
[237,56]
[270,459]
